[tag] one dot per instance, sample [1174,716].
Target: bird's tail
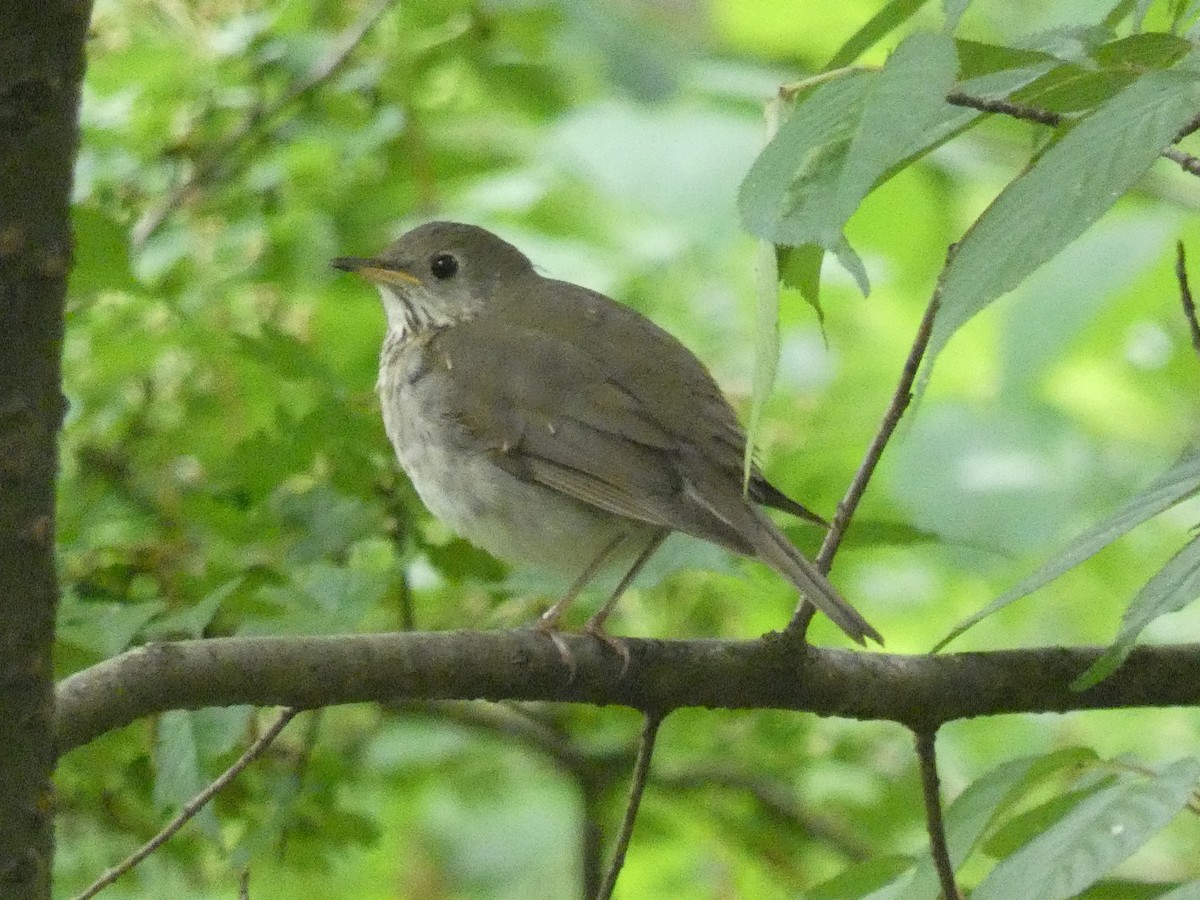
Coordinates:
[773,548]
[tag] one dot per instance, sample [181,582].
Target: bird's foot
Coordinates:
[617,645]
[549,628]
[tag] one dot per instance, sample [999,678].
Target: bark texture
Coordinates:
[41,66]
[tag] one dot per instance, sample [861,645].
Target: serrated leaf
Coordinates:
[840,140]
[1172,588]
[1179,482]
[1066,190]
[790,185]
[972,813]
[1101,832]
[843,139]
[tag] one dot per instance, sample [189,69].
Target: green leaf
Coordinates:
[178,776]
[972,813]
[191,621]
[1125,889]
[1138,52]
[1172,588]
[1066,190]
[894,14]
[800,268]
[787,191]
[1180,482]
[766,347]
[864,533]
[104,628]
[1189,891]
[101,256]
[1101,832]
[844,138]
[871,878]
[1023,828]
[840,140]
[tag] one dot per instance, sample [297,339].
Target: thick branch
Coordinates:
[921,692]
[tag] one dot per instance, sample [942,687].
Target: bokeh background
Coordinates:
[225,471]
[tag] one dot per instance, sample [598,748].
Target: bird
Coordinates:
[552,426]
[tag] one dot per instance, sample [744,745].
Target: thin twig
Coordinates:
[219,159]
[1185,295]
[1187,129]
[1186,161]
[591,836]
[931,791]
[641,772]
[858,485]
[1006,108]
[193,806]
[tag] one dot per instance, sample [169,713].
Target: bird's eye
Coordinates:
[443,266]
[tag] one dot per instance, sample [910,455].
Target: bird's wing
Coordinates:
[557,419]
[656,368]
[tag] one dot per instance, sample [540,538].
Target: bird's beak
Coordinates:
[375,270]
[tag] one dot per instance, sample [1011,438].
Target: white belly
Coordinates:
[456,478]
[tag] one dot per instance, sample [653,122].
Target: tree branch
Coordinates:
[637,786]
[1185,296]
[1185,161]
[901,398]
[920,692]
[932,794]
[192,807]
[218,159]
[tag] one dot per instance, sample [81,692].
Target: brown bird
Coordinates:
[553,426]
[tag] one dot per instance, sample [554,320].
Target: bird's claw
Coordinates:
[615,644]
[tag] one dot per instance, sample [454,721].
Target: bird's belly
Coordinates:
[514,520]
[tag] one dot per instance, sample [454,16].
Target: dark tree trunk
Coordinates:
[41,65]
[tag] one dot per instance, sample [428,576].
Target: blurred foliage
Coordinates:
[224,470]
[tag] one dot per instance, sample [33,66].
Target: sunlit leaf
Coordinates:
[1102,831]
[1067,189]
[1172,588]
[1177,484]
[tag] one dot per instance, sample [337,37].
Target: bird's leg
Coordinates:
[548,622]
[549,619]
[595,625]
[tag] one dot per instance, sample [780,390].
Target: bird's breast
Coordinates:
[455,474]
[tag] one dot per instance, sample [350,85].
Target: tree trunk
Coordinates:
[41,65]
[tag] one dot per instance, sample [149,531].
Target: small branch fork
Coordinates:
[218,160]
